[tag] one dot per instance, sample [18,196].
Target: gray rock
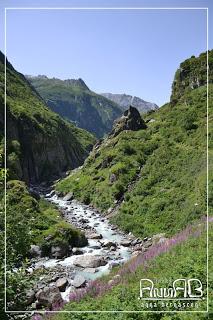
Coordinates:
[108,244]
[131,120]
[125,243]
[90,261]
[49,296]
[147,244]
[95,247]
[79,281]
[59,252]
[30,297]
[95,236]
[77,251]
[90,270]
[112,178]
[61,284]
[35,251]
[69,196]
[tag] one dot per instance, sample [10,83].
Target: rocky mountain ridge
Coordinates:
[125,100]
[74,101]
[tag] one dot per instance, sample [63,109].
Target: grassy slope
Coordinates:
[30,221]
[77,103]
[172,153]
[124,296]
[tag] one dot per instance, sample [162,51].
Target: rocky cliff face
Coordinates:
[73,100]
[124,100]
[40,145]
[191,75]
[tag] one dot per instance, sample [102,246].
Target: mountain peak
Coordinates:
[76,83]
[124,100]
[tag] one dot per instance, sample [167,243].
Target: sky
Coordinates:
[121,51]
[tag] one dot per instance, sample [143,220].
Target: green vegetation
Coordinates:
[191,74]
[120,157]
[170,156]
[40,144]
[124,296]
[172,190]
[29,221]
[73,100]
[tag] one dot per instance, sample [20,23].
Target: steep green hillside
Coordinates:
[30,221]
[40,145]
[73,100]
[155,178]
[191,74]
[177,262]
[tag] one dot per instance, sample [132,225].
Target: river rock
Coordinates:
[79,281]
[83,220]
[112,178]
[30,297]
[136,242]
[35,251]
[90,270]
[77,251]
[136,253]
[147,244]
[49,195]
[125,243]
[49,296]
[61,284]
[95,246]
[90,261]
[59,252]
[95,236]
[108,244]
[69,196]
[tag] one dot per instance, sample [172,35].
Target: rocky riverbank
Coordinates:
[67,271]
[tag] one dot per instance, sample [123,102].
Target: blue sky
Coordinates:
[121,51]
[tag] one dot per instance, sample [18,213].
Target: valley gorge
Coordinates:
[93,210]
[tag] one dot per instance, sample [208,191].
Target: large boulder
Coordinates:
[131,120]
[61,284]
[95,236]
[126,243]
[49,297]
[30,296]
[108,244]
[79,281]
[59,252]
[90,261]
[69,196]
[35,251]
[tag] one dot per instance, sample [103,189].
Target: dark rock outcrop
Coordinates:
[131,120]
